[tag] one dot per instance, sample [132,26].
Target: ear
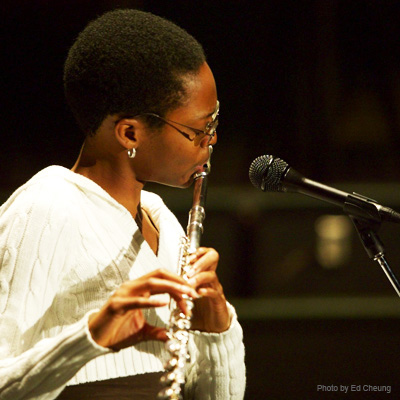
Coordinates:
[128,132]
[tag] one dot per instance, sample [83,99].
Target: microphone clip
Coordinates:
[362,207]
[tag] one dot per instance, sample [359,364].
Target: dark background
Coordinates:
[316,83]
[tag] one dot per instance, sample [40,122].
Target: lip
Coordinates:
[201,167]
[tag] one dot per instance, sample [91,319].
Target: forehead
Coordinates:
[201,98]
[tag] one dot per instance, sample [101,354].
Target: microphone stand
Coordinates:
[367,230]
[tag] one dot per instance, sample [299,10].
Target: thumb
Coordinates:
[151,332]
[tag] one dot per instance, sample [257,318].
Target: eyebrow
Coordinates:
[211,113]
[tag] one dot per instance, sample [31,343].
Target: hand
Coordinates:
[120,322]
[210,313]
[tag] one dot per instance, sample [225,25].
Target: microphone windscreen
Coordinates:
[266,173]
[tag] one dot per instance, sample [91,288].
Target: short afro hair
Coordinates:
[128,62]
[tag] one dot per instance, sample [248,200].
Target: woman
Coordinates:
[89,258]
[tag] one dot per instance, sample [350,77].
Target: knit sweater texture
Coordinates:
[65,246]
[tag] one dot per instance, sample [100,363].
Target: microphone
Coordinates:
[272,174]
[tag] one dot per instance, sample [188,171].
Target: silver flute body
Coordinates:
[180,323]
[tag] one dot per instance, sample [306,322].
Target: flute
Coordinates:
[180,323]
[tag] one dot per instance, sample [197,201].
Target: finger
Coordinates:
[122,304]
[205,278]
[160,273]
[155,285]
[164,274]
[206,260]
[209,292]
[198,253]
[182,304]
[147,332]
[154,333]
[119,304]
[216,297]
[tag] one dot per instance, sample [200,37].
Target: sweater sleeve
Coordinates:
[36,243]
[218,371]
[43,371]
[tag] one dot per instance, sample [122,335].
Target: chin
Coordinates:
[187,184]
[182,183]
[178,185]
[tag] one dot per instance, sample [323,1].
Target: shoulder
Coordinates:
[161,214]
[36,219]
[155,205]
[150,199]
[49,191]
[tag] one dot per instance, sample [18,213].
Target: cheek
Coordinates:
[184,156]
[176,156]
[175,162]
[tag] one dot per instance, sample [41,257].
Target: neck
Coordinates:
[112,173]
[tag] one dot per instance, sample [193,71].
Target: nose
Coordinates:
[210,140]
[214,139]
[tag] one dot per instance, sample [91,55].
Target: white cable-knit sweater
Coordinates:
[65,246]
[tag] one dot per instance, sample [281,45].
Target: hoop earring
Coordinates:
[132,153]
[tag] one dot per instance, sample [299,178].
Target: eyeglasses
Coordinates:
[199,134]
